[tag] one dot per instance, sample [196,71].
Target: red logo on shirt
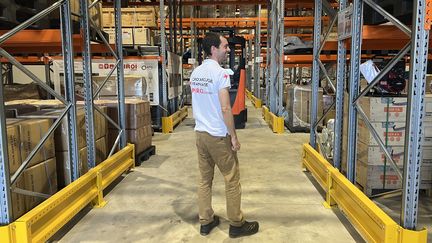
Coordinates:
[200,91]
[226,76]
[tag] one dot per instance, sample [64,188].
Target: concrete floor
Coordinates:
[157,201]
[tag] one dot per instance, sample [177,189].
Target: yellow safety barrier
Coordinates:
[257,102]
[248,94]
[42,222]
[276,123]
[370,220]
[168,123]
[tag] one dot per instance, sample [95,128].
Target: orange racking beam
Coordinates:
[377,38]
[48,40]
[292,4]
[249,22]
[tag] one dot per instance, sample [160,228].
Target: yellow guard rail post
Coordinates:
[42,222]
[255,101]
[370,220]
[276,123]
[168,123]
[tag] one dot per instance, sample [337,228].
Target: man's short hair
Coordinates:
[211,39]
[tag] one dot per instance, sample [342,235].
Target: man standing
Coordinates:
[216,138]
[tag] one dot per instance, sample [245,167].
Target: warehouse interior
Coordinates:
[331,100]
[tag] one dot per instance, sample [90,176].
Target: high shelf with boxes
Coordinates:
[137,23]
[141,23]
[392,133]
[46,148]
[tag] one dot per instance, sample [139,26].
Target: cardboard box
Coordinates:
[40,178]
[381,109]
[139,16]
[394,132]
[298,105]
[373,155]
[372,177]
[141,137]
[31,131]
[18,201]
[428,88]
[145,17]
[127,35]
[100,122]
[13,144]
[137,112]
[101,150]
[63,163]
[141,36]
[95,13]
[61,133]
[63,166]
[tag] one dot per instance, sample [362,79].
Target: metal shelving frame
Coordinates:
[418,48]
[7,181]
[256,85]
[275,64]
[163,58]
[318,66]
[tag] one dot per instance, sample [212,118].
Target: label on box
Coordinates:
[259,59]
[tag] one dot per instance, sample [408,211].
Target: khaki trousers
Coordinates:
[217,151]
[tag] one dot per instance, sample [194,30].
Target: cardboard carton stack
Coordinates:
[62,141]
[40,175]
[388,117]
[138,123]
[298,106]
[61,138]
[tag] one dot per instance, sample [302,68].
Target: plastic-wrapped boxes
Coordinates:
[298,107]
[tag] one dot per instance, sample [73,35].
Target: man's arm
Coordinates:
[224,99]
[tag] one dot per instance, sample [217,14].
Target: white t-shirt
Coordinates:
[206,81]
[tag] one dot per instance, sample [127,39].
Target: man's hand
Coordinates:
[235,144]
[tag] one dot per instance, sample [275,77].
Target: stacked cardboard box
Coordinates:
[61,139]
[428,88]
[388,117]
[40,174]
[95,13]
[131,17]
[132,36]
[138,123]
[100,152]
[298,106]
